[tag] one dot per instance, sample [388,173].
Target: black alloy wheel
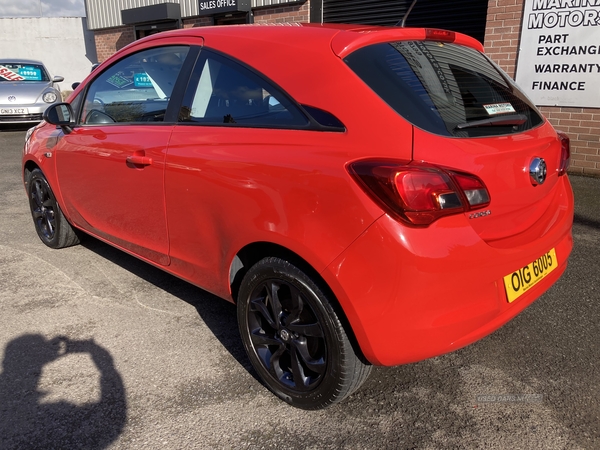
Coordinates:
[51,225]
[286,335]
[294,338]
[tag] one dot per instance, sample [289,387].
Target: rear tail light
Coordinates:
[419,194]
[565,153]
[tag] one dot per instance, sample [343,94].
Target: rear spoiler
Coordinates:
[347,41]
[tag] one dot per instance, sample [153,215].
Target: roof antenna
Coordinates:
[402,22]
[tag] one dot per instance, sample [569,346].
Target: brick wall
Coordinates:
[283,14]
[581,124]
[109,40]
[198,22]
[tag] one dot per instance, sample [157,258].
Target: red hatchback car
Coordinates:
[365,195]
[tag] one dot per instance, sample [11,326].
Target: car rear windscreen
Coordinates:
[446,89]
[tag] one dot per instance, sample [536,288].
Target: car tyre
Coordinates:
[51,225]
[294,338]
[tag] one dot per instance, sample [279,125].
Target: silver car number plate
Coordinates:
[14,111]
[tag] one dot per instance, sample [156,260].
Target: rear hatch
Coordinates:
[469,116]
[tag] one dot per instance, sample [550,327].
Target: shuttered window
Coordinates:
[464,16]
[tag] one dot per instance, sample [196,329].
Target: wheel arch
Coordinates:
[49,172]
[254,252]
[51,225]
[29,167]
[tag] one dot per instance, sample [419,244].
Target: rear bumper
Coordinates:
[411,294]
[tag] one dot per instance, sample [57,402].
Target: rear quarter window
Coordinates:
[445,89]
[225,93]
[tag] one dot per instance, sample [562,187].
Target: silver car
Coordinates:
[26,90]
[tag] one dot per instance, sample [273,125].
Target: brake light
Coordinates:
[423,190]
[433,34]
[419,194]
[565,153]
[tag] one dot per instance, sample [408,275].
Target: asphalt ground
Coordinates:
[100,350]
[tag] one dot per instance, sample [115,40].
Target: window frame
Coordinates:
[262,80]
[174,101]
[417,103]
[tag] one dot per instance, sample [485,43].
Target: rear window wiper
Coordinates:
[498,121]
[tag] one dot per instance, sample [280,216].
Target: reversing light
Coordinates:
[565,153]
[433,34]
[418,194]
[474,189]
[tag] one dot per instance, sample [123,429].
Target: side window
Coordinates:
[222,91]
[135,89]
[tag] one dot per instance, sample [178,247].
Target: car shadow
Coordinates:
[6,127]
[384,394]
[585,221]
[218,314]
[27,421]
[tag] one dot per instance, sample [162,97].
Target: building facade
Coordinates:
[509,30]
[63,44]
[506,21]
[117,23]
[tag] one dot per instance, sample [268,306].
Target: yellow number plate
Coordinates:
[520,281]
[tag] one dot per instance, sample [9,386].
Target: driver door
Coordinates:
[111,165]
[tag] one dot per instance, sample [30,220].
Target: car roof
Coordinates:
[20,61]
[343,38]
[292,55]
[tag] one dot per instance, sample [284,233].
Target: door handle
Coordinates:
[139,160]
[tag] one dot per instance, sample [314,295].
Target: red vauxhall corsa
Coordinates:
[366,196]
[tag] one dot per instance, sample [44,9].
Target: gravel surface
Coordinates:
[100,350]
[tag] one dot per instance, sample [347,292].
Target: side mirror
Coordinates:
[58,79]
[74,85]
[60,114]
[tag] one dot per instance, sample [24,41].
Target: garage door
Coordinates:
[465,16]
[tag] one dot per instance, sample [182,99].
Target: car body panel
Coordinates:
[26,94]
[241,185]
[407,302]
[213,190]
[102,183]
[503,162]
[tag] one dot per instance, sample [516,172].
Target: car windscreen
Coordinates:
[22,72]
[446,89]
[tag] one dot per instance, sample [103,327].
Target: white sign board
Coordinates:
[559,58]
